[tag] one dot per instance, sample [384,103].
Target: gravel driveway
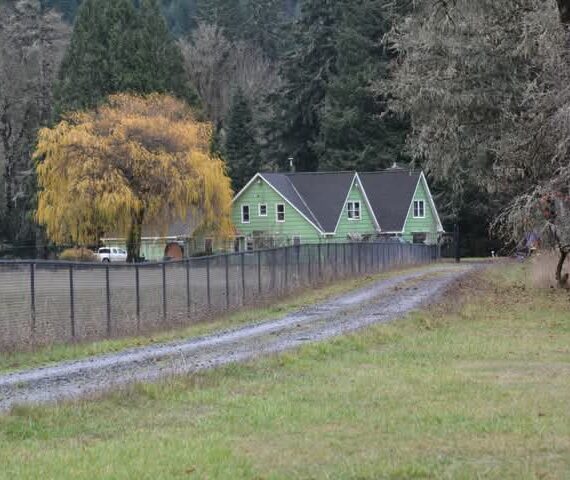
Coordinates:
[380,302]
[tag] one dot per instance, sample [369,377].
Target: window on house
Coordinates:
[262,210]
[249,245]
[419,209]
[245,214]
[354,210]
[280,212]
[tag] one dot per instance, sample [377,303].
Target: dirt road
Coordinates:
[380,302]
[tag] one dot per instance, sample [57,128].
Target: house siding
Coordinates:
[259,192]
[364,226]
[426,225]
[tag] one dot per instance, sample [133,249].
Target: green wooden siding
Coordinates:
[428,224]
[364,226]
[260,193]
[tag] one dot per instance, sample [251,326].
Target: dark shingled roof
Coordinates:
[390,194]
[319,196]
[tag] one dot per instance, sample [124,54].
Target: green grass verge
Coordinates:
[477,391]
[13,361]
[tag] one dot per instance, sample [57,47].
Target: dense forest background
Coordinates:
[333,85]
[279,79]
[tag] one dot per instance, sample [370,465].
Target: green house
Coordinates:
[277,209]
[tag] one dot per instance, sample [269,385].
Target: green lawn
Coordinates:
[480,391]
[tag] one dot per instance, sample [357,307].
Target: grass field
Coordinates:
[477,389]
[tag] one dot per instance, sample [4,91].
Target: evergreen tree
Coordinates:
[353,136]
[226,14]
[326,115]
[241,149]
[116,47]
[307,70]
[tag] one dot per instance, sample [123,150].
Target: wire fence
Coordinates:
[60,302]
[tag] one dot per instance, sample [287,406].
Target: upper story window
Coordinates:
[262,210]
[419,209]
[280,212]
[354,210]
[245,214]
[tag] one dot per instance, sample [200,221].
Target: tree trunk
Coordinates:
[562,279]
[564,9]
[134,238]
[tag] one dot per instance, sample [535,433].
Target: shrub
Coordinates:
[78,255]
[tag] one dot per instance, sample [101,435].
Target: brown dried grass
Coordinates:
[542,270]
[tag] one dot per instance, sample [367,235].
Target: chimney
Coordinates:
[292,164]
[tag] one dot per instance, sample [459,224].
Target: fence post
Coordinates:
[138,295]
[108,296]
[309,263]
[299,282]
[359,245]
[319,261]
[71,302]
[335,260]
[259,271]
[242,277]
[227,266]
[208,292]
[188,294]
[286,269]
[164,306]
[33,296]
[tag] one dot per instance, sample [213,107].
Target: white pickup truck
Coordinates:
[111,254]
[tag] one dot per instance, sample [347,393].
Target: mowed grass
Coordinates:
[477,389]
[42,356]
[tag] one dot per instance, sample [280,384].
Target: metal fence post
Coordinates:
[359,245]
[309,262]
[286,252]
[227,266]
[335,273]
[33,296]
[164,305]
[108,299]
[208,292]
[242,262]
[138,295]
[188,294]
[298,247]
[71,302]
[319,261]
[259,271]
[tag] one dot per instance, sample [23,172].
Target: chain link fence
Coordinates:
[59,302]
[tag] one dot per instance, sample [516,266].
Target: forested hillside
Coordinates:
[476,94]
[279,79]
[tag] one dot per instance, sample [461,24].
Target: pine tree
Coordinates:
[353,135]
[226,14]
[307,69]
[116,47]
[241,149]
[326,115]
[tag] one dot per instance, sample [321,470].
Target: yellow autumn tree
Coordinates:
[135,160]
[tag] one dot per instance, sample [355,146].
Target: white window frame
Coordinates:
[277,205]
[259,210]
[248,214]
[417,209]
[351,210]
